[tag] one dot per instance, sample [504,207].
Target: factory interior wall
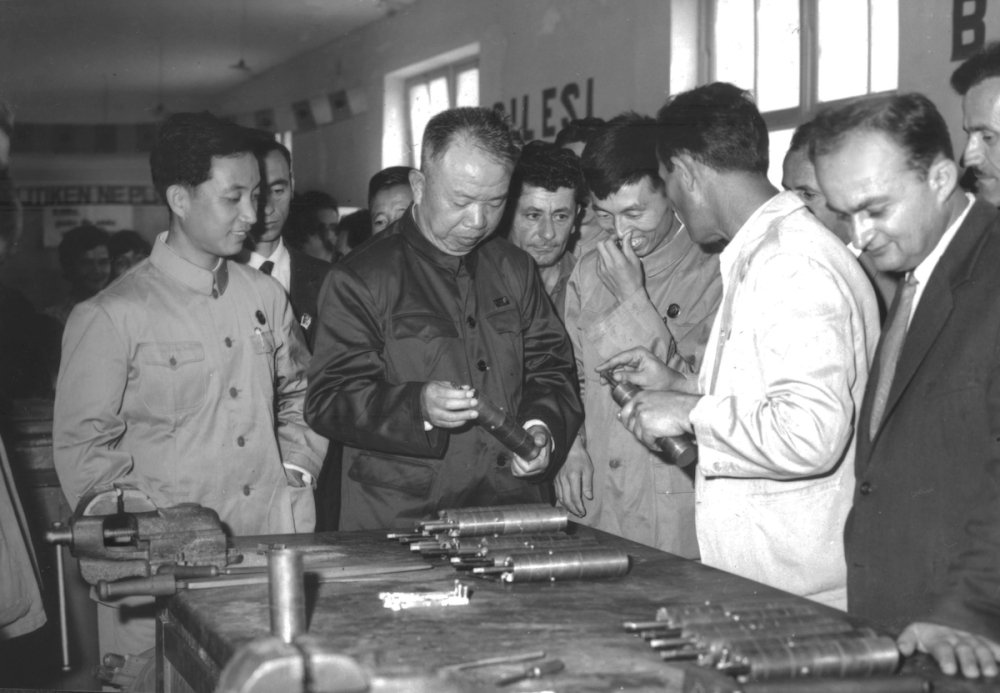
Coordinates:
[543,60]
[529,51]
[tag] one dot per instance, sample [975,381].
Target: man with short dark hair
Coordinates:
[773,408]
[389,196]
[977,80]
[426,318]
[300,274]
[923,537]
[547,196]
[186,377]
[646,283]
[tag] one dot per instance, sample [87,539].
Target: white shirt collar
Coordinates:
[922,272]
[282,270]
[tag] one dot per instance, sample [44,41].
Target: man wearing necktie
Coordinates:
[923,538]
[300,275]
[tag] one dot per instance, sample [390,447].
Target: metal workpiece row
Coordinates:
[778,640]
[514,543]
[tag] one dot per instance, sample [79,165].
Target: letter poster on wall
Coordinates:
[56,221]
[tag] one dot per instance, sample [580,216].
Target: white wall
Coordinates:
[526,47]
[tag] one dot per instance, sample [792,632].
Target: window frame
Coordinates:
[809,103]
[450,71]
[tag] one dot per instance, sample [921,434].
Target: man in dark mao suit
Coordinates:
[923,537]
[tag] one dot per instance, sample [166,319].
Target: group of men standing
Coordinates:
[859,471]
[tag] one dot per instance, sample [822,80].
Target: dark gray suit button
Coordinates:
[481,365]
[865,488]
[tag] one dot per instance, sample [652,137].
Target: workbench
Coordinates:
[578,622]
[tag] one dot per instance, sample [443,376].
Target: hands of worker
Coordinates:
[447,406]
[640,366]
[575,481]
[652,414]
[619,268]
[543,441]
[952,649]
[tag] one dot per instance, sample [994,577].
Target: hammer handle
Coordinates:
[154,586]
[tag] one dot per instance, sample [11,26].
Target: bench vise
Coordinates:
[120,533]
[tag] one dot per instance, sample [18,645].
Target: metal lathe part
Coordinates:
[566,565]
[505,429]
[522,519]
[287,594]
[63,627]
[828,657]
[679,450]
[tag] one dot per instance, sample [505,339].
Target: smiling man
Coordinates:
[773,408]
[550,195]
[646,283]
[424,318]
[186,378]
[923,538]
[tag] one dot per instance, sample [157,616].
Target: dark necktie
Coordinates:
[892,344]
[266,266]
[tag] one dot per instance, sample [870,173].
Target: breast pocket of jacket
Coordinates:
[421,345]
[173,377]
[506,324]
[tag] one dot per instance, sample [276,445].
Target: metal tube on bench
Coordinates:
[287,594]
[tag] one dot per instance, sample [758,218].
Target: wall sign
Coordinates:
[555,108]
[968,30]
[47,195]
[58,220]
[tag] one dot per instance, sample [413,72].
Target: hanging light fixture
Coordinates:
[241,64]
[160,110]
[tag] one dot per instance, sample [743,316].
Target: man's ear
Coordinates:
[417,181]
[942,177]
[686,170]
[179,200]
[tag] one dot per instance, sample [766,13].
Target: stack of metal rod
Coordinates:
[782,639]
[515,543]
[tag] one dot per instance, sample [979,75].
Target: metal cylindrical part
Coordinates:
[524,519]
[679,450]
[63,627]
[505,429]
[566,565]
[287,594]
[834,656]
[688,614]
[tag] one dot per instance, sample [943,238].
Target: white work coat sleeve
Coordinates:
[787,336]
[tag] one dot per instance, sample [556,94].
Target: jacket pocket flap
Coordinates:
[410,476]
[425,326]
[170,354]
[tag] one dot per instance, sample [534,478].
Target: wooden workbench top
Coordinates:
[579,622]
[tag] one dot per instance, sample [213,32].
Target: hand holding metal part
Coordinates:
[526,444]
[679,450]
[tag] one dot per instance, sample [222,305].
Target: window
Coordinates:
[801,54]
[430,93]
